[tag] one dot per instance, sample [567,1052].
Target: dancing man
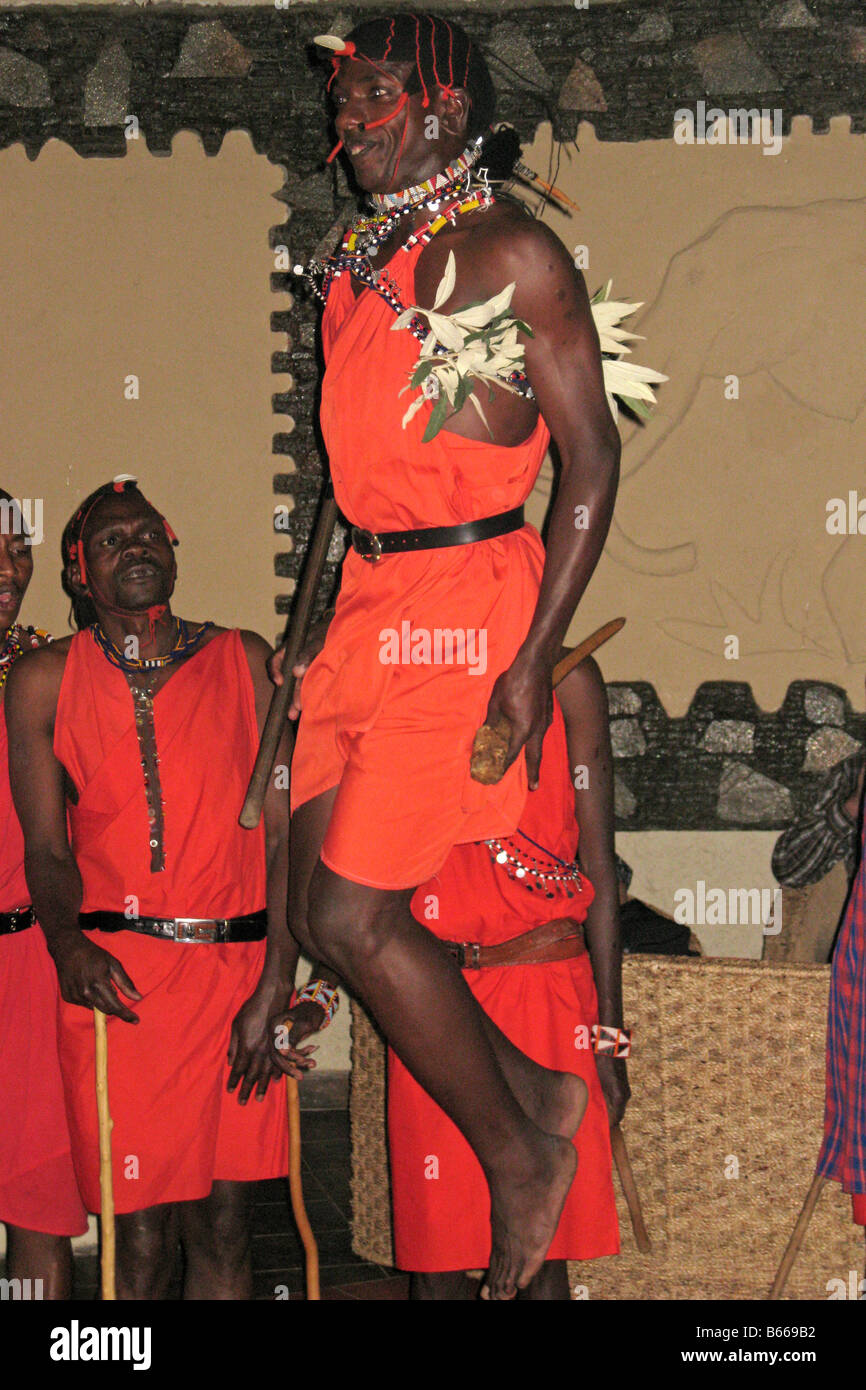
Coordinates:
[449,614]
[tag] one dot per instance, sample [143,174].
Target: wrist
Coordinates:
[319,992]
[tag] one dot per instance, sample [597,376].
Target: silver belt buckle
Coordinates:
[195,929]
[371,541]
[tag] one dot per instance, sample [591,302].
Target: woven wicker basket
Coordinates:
[723,1130]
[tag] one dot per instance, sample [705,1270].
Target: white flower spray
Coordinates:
[480,343]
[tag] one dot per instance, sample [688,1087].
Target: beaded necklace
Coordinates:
[566,877]
[142,698]
[420,192]
[18,640]
[184,642]
[352,258]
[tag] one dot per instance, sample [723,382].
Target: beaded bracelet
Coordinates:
[611,1042]
[326,996]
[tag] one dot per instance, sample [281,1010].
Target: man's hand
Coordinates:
[310,650]
[614,1083]
[87,975]
[249,1054]
[287,1032]
[524,694]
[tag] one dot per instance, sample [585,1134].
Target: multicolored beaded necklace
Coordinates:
[430,188]
[546,880]
[17,641]
[184,643]
[353,257]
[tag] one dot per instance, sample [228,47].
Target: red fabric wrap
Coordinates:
[176,1129]
[440,1199]
[397,737]
[38,1190]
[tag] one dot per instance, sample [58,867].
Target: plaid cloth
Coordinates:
[843,1153]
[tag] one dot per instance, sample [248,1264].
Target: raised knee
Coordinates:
[342,926]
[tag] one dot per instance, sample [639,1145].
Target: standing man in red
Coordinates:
[843,1152]
[39,1197]
[534,921]
[143,729]
[380,786]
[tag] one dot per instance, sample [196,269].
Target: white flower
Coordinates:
[630,382]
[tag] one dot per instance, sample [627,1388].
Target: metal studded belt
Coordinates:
[372,547]
[19,919]
[206,930]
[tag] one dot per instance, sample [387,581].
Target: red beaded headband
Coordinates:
[346,48]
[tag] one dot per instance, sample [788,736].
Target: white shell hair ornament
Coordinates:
[338,46]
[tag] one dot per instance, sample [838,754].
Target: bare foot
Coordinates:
[555,1101]
[525,1211]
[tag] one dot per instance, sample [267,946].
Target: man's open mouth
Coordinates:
[359,149]
[9,597]
[141,570]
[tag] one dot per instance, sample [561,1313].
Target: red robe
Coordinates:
[176,1128]
[441,1203]
[395,731]
[38,1190]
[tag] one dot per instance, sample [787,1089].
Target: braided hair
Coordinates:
[443,56]
[72,546]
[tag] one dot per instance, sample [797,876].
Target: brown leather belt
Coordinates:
[561,939]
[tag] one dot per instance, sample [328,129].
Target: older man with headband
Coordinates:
[142,730]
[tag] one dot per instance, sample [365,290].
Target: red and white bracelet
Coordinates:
[610,1042]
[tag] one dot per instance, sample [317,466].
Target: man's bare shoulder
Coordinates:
[582,694]
[512,238]
[258,650]
[38,673]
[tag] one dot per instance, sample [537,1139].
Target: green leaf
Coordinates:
[640,408]
[437,419]
[462,392]
[422,371]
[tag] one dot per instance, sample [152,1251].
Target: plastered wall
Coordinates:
[751,266]
[153,268]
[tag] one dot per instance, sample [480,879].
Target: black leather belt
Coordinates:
[19,919]
[371,547]
[195,929]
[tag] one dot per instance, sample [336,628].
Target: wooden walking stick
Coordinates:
[299,1211]
[629,1187]
[490,748]
[797,1237]
[282,696]
[106,1186]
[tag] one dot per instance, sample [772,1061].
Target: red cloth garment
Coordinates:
[38,1191]
[176,1129]
[858,1204]
[843,1151]
[396,733]
[441,1204]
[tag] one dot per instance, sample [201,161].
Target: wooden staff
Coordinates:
[281,698]
[797,1237]
[106,1186]
[299,1211]
[629,1187]
[490,748]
